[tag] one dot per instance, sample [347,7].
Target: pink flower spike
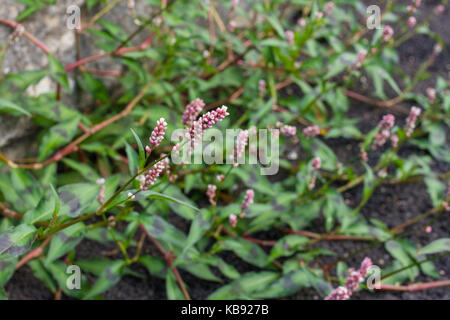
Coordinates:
[158,133]
[360,58]
[154,173]
[365,265]
[388,32]
[234,4]
[262,87]
[211,193]
[428,229]
[431,93]
[231,26]
[290,37]
[353,279]
[328,8]
[241,143]
[412,22]
[384,131]
[311,131]
[248,200]
[340,293]
[394,140]
[363,155]
[288,131]
[232,218]
[192,111]
[411,120]
[316,163]
[439,10]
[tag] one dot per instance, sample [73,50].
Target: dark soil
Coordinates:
[392,204]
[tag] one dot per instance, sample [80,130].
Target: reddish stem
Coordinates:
[415,286]
[36,253]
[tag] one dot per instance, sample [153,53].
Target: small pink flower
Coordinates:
[446,206]
[428,229]
[234,4]
[312,183]
[289,37]
[340,293]
[388,32]
[353,279]
[412,22]
[241,143]
[439,9]
[394,140]
[417,3]
[288,131]
[157,134]
[431,93]
[248,200]
[365,265]
[191,111]
[220,177]
[360,58]
[301,23]
[411,120]
[384,131]
[329,6]
[262,87]
[319,15]
[211,193]
[411,9]
[232,26]
[363,155]
[316,163]
[153,174]
[437,49]
[382,173]
[101,194]
[232,218]
[311,131]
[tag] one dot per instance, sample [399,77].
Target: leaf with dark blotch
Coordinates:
[7,267]
[75,198]
[107,279]
[162,230]
[248,251]
[64,241]
[287,246]
[16,240]
[436,246]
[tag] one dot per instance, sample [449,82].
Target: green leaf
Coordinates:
[58,73]
[47,207]
[140,148]
[158,228]
[64,241]
[107,279]
[439,245]
[243,287]
[7,267]
[369,183]
[155,195]
[57,136]
[85,170]
[40,272]
[26,186]
[133,161]
[287,246]
[3,295]
[396,249]
[16,240]
[172,289]
[76,198]
[7,106]
[156,266]
[59,272]
[202,222]
[248,251]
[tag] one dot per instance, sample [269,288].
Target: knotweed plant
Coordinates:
[350,121]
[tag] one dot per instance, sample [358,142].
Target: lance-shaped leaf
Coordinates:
[179,203]
[64,241]
[287,245]
[75,198]
[369,183]
[8,106]
[57,72]
[243,287]
[140,148]
[107,279]
[248,251]
[173,291]
[7,267]
[16,240]
[202,222]
[160,229]
[57,136]
[396,249]
[47,207]
[436,246]
[26,186]
[133,160]
[40,272]
[156,266]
